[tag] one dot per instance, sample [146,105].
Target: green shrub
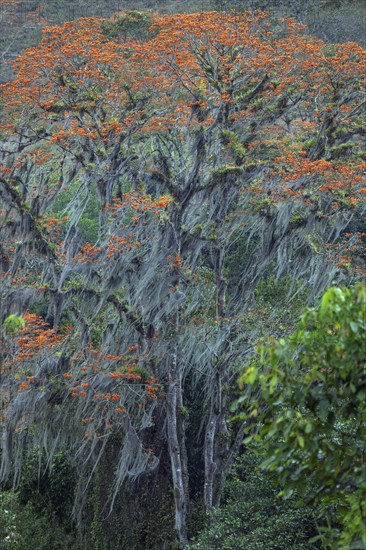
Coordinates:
[24,527]
[253,518]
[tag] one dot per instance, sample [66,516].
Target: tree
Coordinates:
[155,170]
[310,404]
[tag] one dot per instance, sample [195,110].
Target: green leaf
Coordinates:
[308,428]
[12,324]
[250,375]
[323,409]
[273,383]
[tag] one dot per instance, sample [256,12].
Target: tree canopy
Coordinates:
[156,170]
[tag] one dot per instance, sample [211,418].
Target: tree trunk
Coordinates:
[217,436]
[175,419]
[176,442]
[217,445]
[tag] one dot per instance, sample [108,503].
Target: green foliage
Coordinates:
[341,150]
[130,24]
[12,324]
[253,518]
[238,150]
[142,516]
[88,223]
[38,514]
[311,402]
[222,173]
[49,489]
[23,527]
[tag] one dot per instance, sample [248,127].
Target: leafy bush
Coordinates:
[253,518]
[310,403]
[38,514]
[23,527]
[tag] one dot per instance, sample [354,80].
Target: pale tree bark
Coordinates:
[220,446]
[217,439]
[217,433]
[177,452]
[175,418]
